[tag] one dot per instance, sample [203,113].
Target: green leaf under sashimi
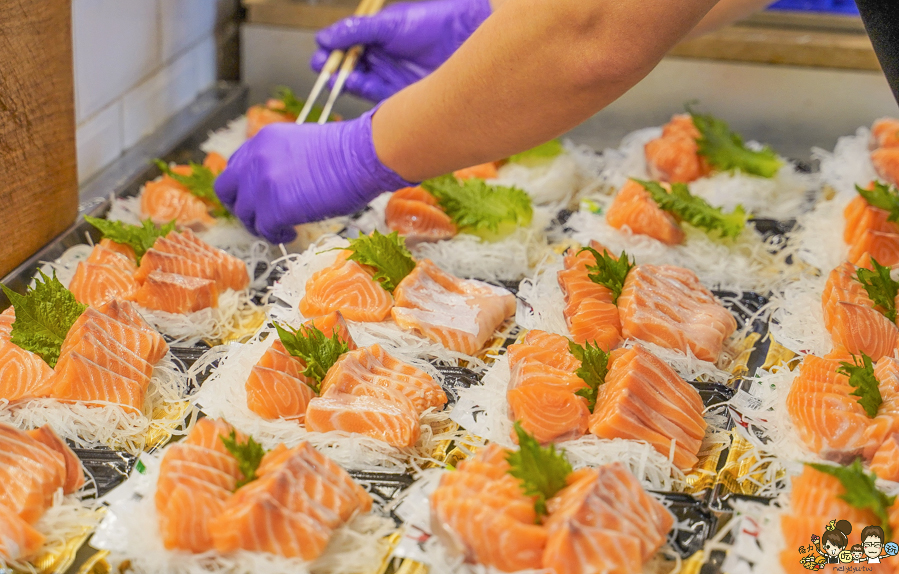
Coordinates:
[542,471]
[139,237]
[725,150]
[200,183]
[593,370]
[695,210]
[480,208]
[248,454]
[387,254]
[608,271]
[317,351]
[882,196]
[867,388]
[861,491]
[44,316]
[539,154]
[880,287]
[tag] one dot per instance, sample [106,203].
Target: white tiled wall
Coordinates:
[137,62]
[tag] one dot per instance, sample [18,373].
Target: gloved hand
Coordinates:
[290,174]
[403,43]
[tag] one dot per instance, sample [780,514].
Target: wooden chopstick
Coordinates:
[349,58]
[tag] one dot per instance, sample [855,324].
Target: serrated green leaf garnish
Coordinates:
[139,237]
[695,210]
[861,376]
[294,105]
[593,370]
[883,196]
[880,287]
[248,454]
[608,271]
[541,471]
[539,154]
[44,316]
[387,254]
[724,149]
[474,205]
[861,491]
[317,351]
[200,183]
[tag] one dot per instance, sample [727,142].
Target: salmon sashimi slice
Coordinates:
[669,307]
[842,285]
[634,207]
[547,348]
[273,394]
[885,462]
[79,379]
[549,412]
[460,314]
[126,364]
[118,323]
[259,116]
[860,217]
[176,293]
[596,322]
[346,287]
[681,125]
[370,416]
[120,248]
[861,329]
[886,423]
[23,374]
[30,472]
[18,539]
[277,358]
[575,282]
[197,454]
[885,132]
[882,246]
[166,200]
[645,399]
[334,323]
[215,162]
[184,520]
[96,285]
[231,271]
[414,214]
[886,164]
[184,472]
[7,318]
[208,433]
[74,471]
[529,371]
[481,512]
[374,366]
[154,260]
[300,498]
[675,159]
[101,255]
[482,171]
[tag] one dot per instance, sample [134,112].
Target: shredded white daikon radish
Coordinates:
[798,317]
[818,236]
[556,181]
[849,164]
[226,140]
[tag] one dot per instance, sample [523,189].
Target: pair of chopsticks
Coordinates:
[349,58]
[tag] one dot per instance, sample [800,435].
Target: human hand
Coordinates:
[403,43]
[290,174]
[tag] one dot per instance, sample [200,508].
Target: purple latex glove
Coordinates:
[290,174]
[404,42]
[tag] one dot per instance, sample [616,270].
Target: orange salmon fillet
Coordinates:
[176,293]
[102,255]
[260,116]
[886,163]
[854,322]
[634,207]
[414,214]
[482,171]
[30,472]
[589,312]
[95,285]
[167,200]
[886,132]
[881,245]
[346,287]
[23,374]
[18,539]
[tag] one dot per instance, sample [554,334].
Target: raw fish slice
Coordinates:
[96,285]
[208,433]
[882,246]
[641,365]
[215,162]
[885,132]
[7,318]
[596,322]
[365,415]
[101,255]
[277,359]
[132,367]
[158,261]
[207,264]
[79,379]
[549,412]
[530,371]
[348,288]
[23,374]
[259,116]
[482,171]
[634,207]
[139,350]
[120,248]
[414,213]
[334,323]
[681,125]
[166,200]
[176,293]
[18,539]
[860,217]
[460,314]
[197,454]
[842,285]
[74,472]
[548,348]
[886,163]
[231,271]
[580,260]
[185,518]
[669,307]
[30,473]
[574,548]
[861,329]
[184,473]
[143,341]
[273,394]
[675,159]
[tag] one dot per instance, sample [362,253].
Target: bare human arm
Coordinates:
[532,71]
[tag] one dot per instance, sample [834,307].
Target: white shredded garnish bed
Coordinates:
[797,320]
[747,262]
[226,140]
[784,196]
[849,164]
[224,396]
[108,424]
[130,532]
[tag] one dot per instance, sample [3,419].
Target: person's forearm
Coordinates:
[532,71]
[727,12]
